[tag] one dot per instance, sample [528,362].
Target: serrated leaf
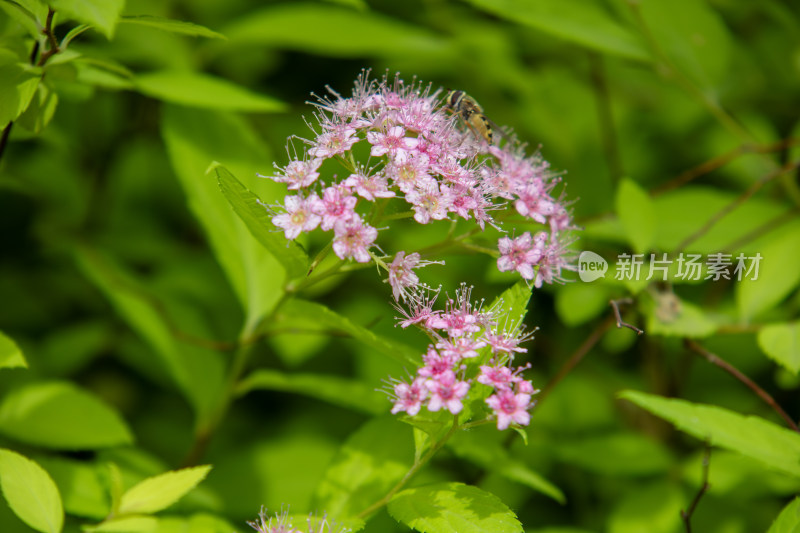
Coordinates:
[30,492]
[61,416]
[369,463]
[777,447]
[513,302]
[196,89]
[789,519]
[171,25]
[580,21]
[453,508]
[486,451]
[102,14]
[10,354]
[159,492]
[328,319]
[781,342]
[778,274]
[321,25]
[338,391]
[637,215]
[248,207]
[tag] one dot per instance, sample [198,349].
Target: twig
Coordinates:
[620,323]
[722,160]
[749,383]
[687,515]
[754,188]
[53,48]
[575,358]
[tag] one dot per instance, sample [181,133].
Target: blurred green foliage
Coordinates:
[127,281]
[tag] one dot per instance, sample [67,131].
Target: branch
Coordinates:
[620,323]
[754,188]
[749,383]
[687,515]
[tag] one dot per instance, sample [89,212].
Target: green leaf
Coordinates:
[616,454]
[483,449]
[778,274]
[18,83]
[781,342]
[368,464]
[202,90]
[10,354]
[40,111]
[692,35]
[578,303]
[198,372]
[789,519]
[327,319]
[171,25]
[30,492]
[61,416]
[102,14]
[637,215]
[581,21]
[248,207]
[752,436]
[316,28]
[338,391]
[513,303]
[198,523]
[453,508]
[159,492]
[81,484]
[194,139]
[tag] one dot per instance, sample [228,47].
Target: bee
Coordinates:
[471,113]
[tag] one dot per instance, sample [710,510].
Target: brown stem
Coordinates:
[749,383]
[575,358]
[52,48]
[722,160]
[754,188]
[686,516]
[620,323]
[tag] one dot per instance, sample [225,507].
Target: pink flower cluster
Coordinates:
[420,152]
[464,334]
[282,523]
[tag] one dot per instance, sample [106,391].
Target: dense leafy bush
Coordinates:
[213,304]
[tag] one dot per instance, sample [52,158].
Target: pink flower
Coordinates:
[446,391]
[299,174]
[353,239]
[534,202]
[420,308]
[409,170]
[338,139]
[401,274]
[282,524]
[436,364]
[299,216]
[510,407]
[393,142]
[337,204]
[369,187]
[430,202]
[460,347]
[409,397]
[499,377]
[520,254]
[505,343]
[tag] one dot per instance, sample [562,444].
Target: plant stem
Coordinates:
[419,463]
[686,516]
[749,383]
